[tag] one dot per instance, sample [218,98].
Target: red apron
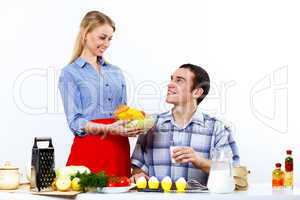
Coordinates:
[111,154]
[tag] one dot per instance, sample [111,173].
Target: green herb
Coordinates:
[91,180]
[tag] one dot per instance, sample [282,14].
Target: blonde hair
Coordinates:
[89,22]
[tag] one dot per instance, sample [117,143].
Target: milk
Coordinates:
[220,181]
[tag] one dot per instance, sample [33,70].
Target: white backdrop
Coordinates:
[250,48]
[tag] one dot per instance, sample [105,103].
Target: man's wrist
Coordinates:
[200,162]
[203,164]
[137,170]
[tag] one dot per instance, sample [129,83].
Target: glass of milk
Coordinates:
[171,153]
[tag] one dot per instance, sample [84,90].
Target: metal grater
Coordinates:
[42,166]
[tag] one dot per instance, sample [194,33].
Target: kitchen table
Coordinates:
[256,191]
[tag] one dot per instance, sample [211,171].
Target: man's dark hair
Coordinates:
[201,79]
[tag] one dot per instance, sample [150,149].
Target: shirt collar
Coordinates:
[167,116]
[101,61]
[197,118]
[81,62]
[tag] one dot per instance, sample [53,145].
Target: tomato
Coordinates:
[112,181]
[115,181]
[112,185]
[124,181]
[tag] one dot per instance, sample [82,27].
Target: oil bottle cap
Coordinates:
[278,165]
[289,152]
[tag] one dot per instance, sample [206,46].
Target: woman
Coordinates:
[91,89]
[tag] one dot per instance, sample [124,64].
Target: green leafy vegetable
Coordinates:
[91,180]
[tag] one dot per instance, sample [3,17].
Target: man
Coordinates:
[195,134]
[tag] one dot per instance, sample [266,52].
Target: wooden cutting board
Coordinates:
[68,194]
[25,188]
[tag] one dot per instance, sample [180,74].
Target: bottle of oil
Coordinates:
[277,177]
[288,178]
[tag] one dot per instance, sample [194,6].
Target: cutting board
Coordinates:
[68,194]
[25,188]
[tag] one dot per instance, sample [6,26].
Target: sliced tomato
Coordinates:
[124,181]
[112,185]
[115,181]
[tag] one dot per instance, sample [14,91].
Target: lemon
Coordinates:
[153,183]
[63,183]
[53,185]
[141,183]
[75,184]
[166,184]
[180,184]
[123,116]
[134,114]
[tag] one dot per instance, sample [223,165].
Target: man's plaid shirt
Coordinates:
[203,133]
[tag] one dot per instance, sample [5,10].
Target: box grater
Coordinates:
[42,166]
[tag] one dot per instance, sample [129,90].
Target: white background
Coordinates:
[250,49]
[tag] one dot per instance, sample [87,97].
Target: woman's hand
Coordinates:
[116,128]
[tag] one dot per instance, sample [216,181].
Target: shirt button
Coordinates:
[110,114]
[109,99]
[106,84]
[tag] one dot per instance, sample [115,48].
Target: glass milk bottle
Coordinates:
[220,178]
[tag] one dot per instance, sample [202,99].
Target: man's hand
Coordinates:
[188,154]
[184,155]
[136,174]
